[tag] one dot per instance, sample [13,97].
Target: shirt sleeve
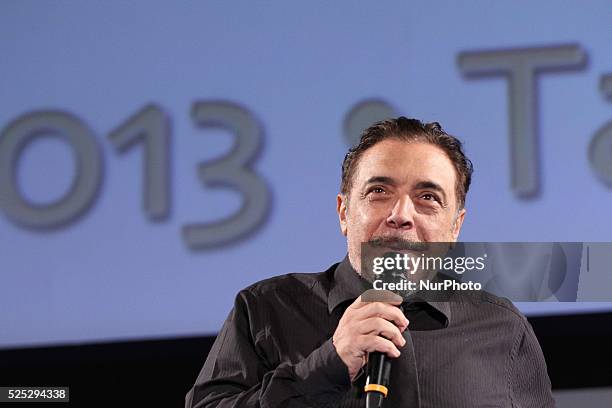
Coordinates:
[236,375]
[529,382]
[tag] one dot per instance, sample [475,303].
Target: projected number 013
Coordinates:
[149,128]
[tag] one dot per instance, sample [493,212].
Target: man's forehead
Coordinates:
[400,162]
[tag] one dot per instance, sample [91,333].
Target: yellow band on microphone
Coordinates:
[376,387]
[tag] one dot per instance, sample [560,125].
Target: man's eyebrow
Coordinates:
[382,180]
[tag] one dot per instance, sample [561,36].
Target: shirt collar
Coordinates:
[347,285]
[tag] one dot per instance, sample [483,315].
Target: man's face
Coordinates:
[402,190]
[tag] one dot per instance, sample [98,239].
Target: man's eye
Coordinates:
[430,197]
[377,190]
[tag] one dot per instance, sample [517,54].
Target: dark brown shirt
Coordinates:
[275,350]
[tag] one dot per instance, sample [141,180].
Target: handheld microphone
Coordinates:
[377,382]
[379,364]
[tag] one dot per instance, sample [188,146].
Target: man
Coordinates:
[302,340]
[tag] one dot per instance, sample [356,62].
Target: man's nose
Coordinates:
[402,214]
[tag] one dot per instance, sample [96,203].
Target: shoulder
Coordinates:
[291,286]
[489,305]
[503,305]
[293,282]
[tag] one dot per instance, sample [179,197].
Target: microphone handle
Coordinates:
[379,372]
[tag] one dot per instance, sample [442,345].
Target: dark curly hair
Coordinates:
[403,128]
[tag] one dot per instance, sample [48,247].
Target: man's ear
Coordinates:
[456,229]
[341,202]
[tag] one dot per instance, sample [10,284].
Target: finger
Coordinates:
[381,327]
[370,343]
[384,310]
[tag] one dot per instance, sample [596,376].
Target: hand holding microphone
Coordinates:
[369,327]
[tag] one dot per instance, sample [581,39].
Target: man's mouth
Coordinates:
[399,244]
